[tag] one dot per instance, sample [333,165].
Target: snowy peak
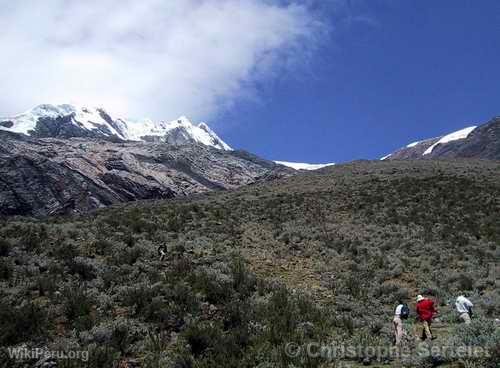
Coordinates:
[460,134]
[181,131]
[482,141]
[419,149]
[78,121]
[303,166]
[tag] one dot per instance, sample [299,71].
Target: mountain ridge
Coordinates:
[66,120]
[45,176]
[69,121]
[480,141]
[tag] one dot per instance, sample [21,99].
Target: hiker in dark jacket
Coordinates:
[162,252]
[425,313]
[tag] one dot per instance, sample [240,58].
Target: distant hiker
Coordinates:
[425,313]
[402,312]
[162,252]
[464,308]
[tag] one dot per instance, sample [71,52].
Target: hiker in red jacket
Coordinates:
[425,313]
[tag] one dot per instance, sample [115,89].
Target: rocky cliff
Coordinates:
[43,176]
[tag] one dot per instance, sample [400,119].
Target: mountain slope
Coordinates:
[40,176]
[317,257]
[481,142]
[64,121]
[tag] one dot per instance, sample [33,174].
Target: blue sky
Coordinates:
[389,73]
[297,80]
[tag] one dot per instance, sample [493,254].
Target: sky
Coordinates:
[308,81]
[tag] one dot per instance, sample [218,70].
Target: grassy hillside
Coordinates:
[319,257]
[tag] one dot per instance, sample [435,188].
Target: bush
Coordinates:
[6,270]
[45,285]
[64,250]
[102,356]
[77,308]
[183,299]
[82,269]
[5,247]
[365,339]
[102,246]
[215,285]
[394,292]
[480,332]
[21,324]
[483,333]
[282,316]
[202,336]
[243,280]
[157,311]
[34,236]
[138,296]
[128,255]
[121,337]
[465,282]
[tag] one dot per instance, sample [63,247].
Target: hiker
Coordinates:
[464,309]
[425,313]
[162,251]
[402,312]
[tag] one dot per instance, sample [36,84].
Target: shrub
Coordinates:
[77,307]
[202,336]
[483,333]
[465,282]
[281,315]
[45,285]
[128,255]
[181,266]
[6,270]
[243,280]
[111,275]
[34,236]
[102,356]
[183,299]
[215,285]
[156,344]
[64,250]
[21,324]
[365,339]
[102,246]
[6,361]
[5,247]
[81,268]
[138,296]
[121,337]
[480,332]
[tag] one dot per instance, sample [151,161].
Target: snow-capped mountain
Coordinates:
[303,166]
[77,121]
[481,141]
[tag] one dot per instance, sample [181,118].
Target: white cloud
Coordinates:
[156,58]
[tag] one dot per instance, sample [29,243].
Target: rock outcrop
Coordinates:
[43,176]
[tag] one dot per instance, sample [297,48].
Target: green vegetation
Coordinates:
[319,257]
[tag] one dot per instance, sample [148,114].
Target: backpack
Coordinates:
[405,312]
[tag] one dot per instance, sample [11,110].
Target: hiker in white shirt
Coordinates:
[464,308]
[400,313]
